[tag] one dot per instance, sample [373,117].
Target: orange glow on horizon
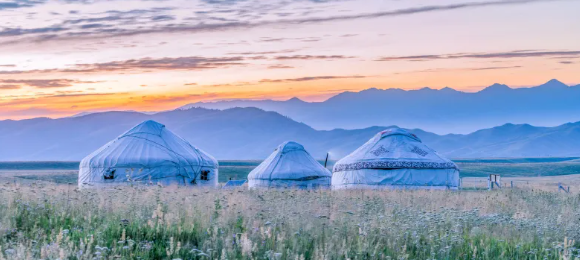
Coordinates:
[191,56]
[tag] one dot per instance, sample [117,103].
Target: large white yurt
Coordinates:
[148,154]
[290,166]
[395,158]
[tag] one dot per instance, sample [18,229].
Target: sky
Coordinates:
[63,57]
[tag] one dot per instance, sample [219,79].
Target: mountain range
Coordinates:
[440,111]
[251,133]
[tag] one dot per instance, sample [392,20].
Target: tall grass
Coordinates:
[46,221]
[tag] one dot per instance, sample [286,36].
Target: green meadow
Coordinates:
[43,215]
[52,221]
[65,172]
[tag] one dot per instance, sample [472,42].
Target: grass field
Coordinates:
[44,216]
[519,167]
[52,221]
[66,172]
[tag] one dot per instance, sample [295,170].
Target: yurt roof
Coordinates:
[393,148]
[148,144]
[290,161]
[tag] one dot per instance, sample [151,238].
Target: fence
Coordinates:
[544,183]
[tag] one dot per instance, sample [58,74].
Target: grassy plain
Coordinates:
[52,221]
[65,172]
[44,216]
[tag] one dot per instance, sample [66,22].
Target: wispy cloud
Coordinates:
[41,83]
[235,84]
[496,68]
[9,86]
[280,66]
[45,99]
[440,70]
[180,63]
[18,4]
[301,79]
[310,79]
[245,18]
[417,10]
[263,52]
[173,63]
[19,31]
[313,57]
[488,55]
[176,98]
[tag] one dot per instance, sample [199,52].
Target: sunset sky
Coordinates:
[59,58]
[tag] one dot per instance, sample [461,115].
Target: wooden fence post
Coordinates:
[560,187]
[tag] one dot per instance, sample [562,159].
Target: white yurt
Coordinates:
[289,166]
[395,158]
[148,154]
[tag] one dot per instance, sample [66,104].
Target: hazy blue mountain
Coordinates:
[247,133]
[440,111]
[250,133]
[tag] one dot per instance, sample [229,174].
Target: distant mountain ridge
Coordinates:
[441,111]
[251,133]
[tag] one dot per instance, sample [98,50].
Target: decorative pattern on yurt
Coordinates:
[395,158]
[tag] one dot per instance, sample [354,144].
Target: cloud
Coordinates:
[262,52]
[566,62]
[496,68]
[18,4]
[312,57]
[310,79]
[7,65]
[108,18]
[280,66]
[159,18]
[301,79]
[180,63]
[269,39]
[140,11]
[177,98]
[301,39]
[223,2]
[43,83]
[440,70]
[15,72]
[7,32]
[123,16]
[94,25]
[235,84]
[417,10]
[489,55]
[87,26]
[204,23]
[47,98]
[9,86]
[86,94]
[170,63]
[166,63]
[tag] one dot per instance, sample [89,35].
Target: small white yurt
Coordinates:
[290,166]
[148,154]
[395,158]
